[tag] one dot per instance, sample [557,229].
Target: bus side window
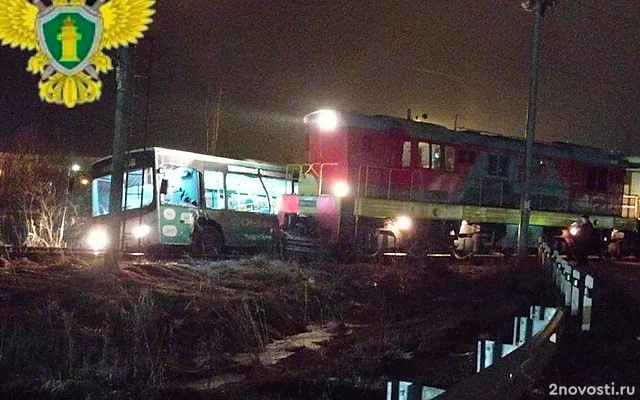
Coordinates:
[182,187]
[214,189]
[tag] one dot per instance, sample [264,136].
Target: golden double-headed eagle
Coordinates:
[69,38]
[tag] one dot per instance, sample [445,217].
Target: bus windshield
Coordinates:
[137,192]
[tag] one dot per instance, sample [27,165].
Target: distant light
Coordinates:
[341,189]
[84,181]
[325,120]
[574,230]
[75,168]
[403,223]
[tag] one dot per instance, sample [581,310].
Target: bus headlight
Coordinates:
[97,239]
[341,189]
[141,231]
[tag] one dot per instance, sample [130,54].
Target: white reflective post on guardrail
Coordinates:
[403,390]
[587,302]
[576,286]
[566,285]
[490,351]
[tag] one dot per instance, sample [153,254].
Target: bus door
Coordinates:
[179,203]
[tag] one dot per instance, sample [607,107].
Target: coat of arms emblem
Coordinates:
[69,38]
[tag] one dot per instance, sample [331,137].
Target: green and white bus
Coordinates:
[177,199]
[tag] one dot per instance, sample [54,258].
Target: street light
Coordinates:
[70,172]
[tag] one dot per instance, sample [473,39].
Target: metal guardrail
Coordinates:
[508,371]
[505,371]
[574,286]
[513,374]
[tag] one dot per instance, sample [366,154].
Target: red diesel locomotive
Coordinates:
[380,184]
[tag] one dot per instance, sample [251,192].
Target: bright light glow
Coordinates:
[75,168]
[84,181]
[452,233]
[141,231]
[403,223]
[574,230]
[341,189]
[325,120]
[97,239]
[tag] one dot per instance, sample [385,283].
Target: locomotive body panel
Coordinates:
[396,168]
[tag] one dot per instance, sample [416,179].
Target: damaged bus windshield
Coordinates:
[137,191]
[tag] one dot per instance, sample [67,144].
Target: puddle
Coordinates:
[281,349]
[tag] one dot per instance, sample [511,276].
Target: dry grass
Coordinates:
[68,331]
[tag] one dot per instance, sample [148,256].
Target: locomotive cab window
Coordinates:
[406,154]
[436,156]
[425,154]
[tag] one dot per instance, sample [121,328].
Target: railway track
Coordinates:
[11,252]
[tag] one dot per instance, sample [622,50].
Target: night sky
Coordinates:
[278,60]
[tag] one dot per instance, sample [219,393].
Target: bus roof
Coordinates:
[160,151]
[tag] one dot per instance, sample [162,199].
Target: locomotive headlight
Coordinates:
[341,189]
[325,120]
[98,239]
[141,231]
[574,230]
[402,223]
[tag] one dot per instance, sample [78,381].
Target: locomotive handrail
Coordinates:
[322,165]
[635,200]
[308,168]
[489,192]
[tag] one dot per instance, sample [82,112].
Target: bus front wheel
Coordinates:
[207,243]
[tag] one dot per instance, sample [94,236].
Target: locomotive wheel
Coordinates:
[207,243]
[369,244]
[460,254]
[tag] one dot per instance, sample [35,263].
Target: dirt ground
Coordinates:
[254,328]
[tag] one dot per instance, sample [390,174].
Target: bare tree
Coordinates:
[35,198]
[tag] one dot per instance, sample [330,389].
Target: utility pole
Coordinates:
[123,93]
[212,142]
[539,7]
[214,145]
